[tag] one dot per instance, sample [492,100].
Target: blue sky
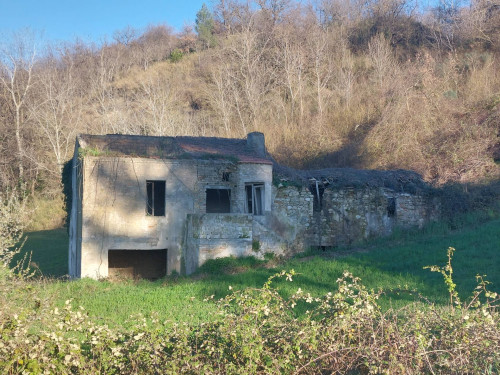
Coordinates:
[92,20]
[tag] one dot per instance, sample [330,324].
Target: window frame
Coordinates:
[252,204]
[151,199]
[226,189]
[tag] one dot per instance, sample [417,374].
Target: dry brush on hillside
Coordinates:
[379,84]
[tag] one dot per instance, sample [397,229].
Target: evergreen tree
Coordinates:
[205,27]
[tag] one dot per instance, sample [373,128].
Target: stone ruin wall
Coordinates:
[291,225]
[211,236]
[345,216]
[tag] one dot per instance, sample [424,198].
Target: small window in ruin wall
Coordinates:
[317,193]
[156,198]
[218,201]
[254,203]
[391,207]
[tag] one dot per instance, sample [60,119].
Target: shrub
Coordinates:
[48,213]
[13,218]
[176,55]
[256,331]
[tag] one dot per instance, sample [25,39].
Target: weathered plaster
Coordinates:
[109,212]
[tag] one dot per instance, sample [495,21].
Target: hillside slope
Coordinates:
[378,85]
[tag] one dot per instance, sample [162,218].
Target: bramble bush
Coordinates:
[13,218]
[257,331]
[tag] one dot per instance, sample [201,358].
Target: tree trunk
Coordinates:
[19,144]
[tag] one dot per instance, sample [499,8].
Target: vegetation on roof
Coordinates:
[398,180]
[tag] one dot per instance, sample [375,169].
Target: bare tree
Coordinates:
[345,73]
[156,100]
[380,52]
[219,93]
[292,64]
[344,13]
[233,15]
[187,39]
[155,44]
[248,52]
[322,64]
[57,110]
[104,98]
[275,10]
[125,36]
[17,60]
[481,21]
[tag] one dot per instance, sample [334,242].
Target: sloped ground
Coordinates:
[386,263]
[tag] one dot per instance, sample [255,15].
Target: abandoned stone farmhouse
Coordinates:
[147,206]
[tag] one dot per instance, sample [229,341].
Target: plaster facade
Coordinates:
[110,199]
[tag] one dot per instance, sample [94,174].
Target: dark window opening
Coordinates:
[249,201]
[317,192]
[144,264]
[391,207]
[218,201]
[321,248]
[254,203]
[156,198]
[225,176]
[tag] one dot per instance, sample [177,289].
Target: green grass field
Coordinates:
[388,263]
[49,251]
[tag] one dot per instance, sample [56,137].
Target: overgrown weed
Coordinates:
[256,330]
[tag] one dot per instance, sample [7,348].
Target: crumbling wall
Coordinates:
[415,210]
[253,173]
[214,174]
[303,217]
[211,236]
[290,220]
[348,215]
[111,205]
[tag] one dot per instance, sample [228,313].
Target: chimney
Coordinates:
[257,143]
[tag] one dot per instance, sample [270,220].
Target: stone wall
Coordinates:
[350,215]
[215,174]
[343,215]
[414,210]
[254,173]
[289,220]
[112,214]
[109,213]
[211,236]
[210,176]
